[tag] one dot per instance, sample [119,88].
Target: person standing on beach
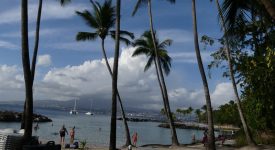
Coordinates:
[62,132]
[204,140]
[72,133]
[135,138]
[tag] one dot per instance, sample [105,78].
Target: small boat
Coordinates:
[74,111]
[90,112]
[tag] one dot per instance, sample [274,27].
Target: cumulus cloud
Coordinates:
[44,60]
[11,79]
[183,98]
[91,80]
[223,93]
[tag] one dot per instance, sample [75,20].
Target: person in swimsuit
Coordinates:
[135,138]
[72,133]
[62,133]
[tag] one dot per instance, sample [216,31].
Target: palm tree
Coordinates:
[27,71]
[159,70]
[112,143]
[35,50]
[102,19]
[249,138]
[145,45]
[198,113]
[211,136]
[190,110]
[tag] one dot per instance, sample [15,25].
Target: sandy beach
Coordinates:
[228,145]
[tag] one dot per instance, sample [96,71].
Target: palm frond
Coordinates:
[149,63]
[172,1]
[234,10]
[140,42]
[125,40]
[128,34]
[141,51]
[107,14]
[83,36]
[165,43]
[64,2]
[138,5]
[165,60]
[88,18]
[145,46]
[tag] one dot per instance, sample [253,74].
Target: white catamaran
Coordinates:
[90,112]
[74,111]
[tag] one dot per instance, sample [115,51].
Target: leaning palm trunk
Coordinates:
[166,104]
[249,138]
[269,6]
[161,89]
[35,51]
[27,72]
[211,136]
[127,133]
[112,144]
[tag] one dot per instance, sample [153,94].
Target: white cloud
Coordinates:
[11,79]
[177,35]
[8,45]
[223,93]
[190,57]
[44,60]
[182,97]
[91,80]
[50,10]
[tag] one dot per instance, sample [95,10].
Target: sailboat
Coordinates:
[90,112]
[74,111]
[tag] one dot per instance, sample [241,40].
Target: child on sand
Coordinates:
[135,138]
[72,133]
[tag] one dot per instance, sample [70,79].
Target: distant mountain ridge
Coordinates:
[82,105]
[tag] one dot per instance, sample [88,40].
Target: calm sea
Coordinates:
[96,129]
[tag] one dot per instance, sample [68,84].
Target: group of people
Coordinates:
[63,131]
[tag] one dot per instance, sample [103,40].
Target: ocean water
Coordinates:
[96,129]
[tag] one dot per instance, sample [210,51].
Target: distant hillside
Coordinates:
[82,105]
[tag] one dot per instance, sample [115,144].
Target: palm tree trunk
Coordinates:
[170,117]
[112,144]
[269,6]
[161,89]
[211,136]
[249,138]
[34,53]
[127,133]
[27,72]
[169,114]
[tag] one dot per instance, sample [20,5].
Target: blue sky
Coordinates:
[68,69]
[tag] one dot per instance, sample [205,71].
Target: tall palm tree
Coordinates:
[35,50]
[249,138]
[145,46]
[211,136]
[27,71]
[159,70]
[112,144]
[102,19]
[198,113]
